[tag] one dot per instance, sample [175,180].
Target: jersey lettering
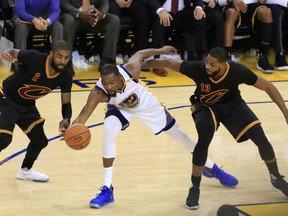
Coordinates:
[131,101]
[205,87]
[36,77]
[33,92]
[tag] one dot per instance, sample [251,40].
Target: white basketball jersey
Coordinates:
[134,95]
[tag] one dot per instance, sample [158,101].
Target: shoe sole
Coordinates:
[193,207]
[266,72]
[281,68]
[211,177]
[20,178]
[98,207]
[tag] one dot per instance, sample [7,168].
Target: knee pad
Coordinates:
[112,126]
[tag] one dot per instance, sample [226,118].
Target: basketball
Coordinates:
[77,136]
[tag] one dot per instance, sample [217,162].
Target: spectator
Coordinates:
[277,14]
[92,19]
[137,11]
[177,19]
[41,15]
[238,12]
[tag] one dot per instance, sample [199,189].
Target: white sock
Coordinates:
[209,163]
[180,136]
[107,171]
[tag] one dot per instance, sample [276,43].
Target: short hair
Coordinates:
[109,69]
[219,53]
[61,45]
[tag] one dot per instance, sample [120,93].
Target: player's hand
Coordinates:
[63,125]
[8,57]
[168,50]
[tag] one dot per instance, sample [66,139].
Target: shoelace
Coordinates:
[219,172]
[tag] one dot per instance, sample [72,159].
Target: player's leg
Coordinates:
[38,141]
[257,135]
[114,122]
[8,118]
[211,170]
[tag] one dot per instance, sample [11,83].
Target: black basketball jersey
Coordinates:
[210,91]
[32,80]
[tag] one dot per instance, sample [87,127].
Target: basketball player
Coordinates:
[127,97]
[38,74]
[217,100]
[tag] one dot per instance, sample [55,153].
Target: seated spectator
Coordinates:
[277,14]
[41,15]
[238,13]
[215,20]
[183,18]
[92,19]
[138,12]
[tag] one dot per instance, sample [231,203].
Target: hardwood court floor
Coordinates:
[151,173]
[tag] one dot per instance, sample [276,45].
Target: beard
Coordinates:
[56,67]
[214,73]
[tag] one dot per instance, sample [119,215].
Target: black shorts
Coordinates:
[25,117]
[248,18]
[235,115]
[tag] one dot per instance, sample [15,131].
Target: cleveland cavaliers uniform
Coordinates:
[222,97]
[29,83]
[135,100]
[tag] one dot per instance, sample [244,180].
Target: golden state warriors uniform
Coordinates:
[135,100]
[222,97]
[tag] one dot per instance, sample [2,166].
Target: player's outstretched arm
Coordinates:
[273,93]
[134,64]
[161,63]
[95,97]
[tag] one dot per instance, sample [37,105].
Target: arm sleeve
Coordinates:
[54,10]
[20,10]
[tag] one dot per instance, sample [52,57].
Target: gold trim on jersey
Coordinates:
[213,117]
[33,124]
[47,67]
[246,129]
[224,75]
[1,90]
[6,131]
[124,83]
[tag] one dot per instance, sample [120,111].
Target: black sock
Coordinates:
[273,169]
[28,163]
[196,181]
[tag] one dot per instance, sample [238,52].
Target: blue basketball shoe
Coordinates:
[224,178]
[105,197]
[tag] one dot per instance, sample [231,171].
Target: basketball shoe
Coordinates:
[25,174]
[224,178]
[105,197]
[193,198]
[280,184]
